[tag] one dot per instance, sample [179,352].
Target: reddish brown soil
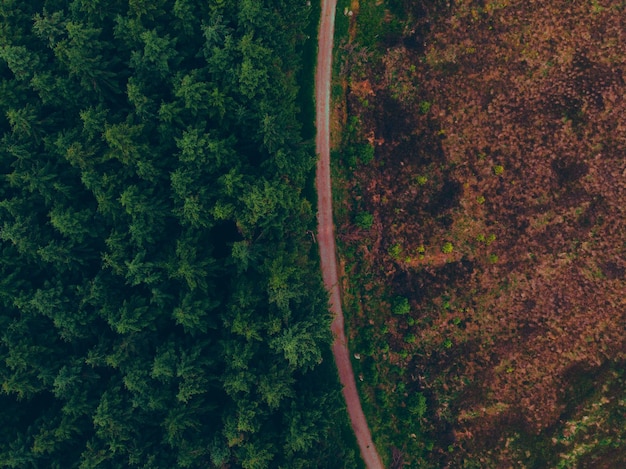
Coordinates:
[499,128]
[326,238]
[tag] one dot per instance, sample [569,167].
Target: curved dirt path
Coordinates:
[326,236]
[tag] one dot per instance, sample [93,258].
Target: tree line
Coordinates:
[161,305]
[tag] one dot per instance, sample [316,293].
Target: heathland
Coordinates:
[480,161]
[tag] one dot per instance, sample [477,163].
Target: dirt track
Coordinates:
[326,237]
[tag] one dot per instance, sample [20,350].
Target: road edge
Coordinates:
[326,236]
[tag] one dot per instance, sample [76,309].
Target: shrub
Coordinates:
[417,405]
[367,154]
[425,107]
[401,306]
[395,251]
[421,179]
[364,220]
[498,170]
[447,248]
[350,157]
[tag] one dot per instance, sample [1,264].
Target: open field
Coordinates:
[483,158]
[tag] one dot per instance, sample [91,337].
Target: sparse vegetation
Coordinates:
[501,205]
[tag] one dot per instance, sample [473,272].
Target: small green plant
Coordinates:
[395,251]
[490,239]
[425,107]
[447,248]
[480,199]
[596,7]
[337,90]
[410,339]
[401,306]
[367,154]
[364,220]
[350,157]
[421,180]
[447,343]
[480,238]
[498,170]
[354,125]
[493,258]
[416,405]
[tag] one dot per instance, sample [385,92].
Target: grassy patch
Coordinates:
[375,25]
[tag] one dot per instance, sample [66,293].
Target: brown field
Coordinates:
[497,196]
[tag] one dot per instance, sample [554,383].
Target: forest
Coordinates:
[479,149]
[161,299]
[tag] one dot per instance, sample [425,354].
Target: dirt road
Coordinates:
[326,237]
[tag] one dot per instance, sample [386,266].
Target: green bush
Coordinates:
[425,107]
[417,405]
[401,306]
[367,154]
[421,179]
[395,251]
[364,220]
[350,157]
